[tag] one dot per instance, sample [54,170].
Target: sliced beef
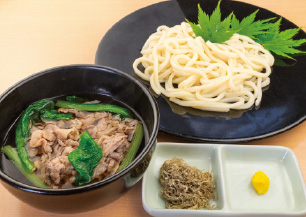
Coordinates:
[50,144]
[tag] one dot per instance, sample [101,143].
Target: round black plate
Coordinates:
[284,102]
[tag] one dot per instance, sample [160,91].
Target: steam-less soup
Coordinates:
[76,144]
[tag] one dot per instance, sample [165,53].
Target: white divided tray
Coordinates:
[233,167]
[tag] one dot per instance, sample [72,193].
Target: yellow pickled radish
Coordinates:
[260,182]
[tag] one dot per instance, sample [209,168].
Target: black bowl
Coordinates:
[78,80]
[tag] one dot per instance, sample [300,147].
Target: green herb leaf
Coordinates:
[280,61]
[280,43]
[265,32]
[249,27]
[85,159]
[212,28]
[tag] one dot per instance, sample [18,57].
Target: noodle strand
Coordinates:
[205,75]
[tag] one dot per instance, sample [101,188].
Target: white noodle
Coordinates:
[205,75]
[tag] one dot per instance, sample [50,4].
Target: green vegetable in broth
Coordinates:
[76,99]
[136,141]
[10,152]
[85,159]
[95,107]
[85,155]
[54,115]
[27,120]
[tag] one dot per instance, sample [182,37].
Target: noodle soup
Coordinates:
[51,142]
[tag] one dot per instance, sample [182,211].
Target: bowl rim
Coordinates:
[151,141]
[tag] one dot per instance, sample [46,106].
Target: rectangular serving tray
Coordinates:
[233,167]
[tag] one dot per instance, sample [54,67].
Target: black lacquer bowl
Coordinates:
[283,104]
[112,85]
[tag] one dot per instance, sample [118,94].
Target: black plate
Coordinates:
[283,105]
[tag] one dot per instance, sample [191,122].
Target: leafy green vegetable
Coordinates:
[265,32]
[33,114]
[13,156]
[27,120]
[76,99]
[212,28]
[136,141]
[85,159]
[54,115]
[95,107]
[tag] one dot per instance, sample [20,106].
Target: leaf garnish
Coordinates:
[265,32]
[249,27]
[280,43]
[212,28]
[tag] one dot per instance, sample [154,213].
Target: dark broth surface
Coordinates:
[10,169]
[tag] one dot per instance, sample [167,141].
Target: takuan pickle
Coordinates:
[260,182]
[186,187]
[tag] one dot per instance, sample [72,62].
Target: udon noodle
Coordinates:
[205,75]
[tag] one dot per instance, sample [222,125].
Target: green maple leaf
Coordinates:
[249,27]
[265,32]
[212,28]
[280,43]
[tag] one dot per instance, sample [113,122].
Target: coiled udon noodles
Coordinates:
[204,75]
